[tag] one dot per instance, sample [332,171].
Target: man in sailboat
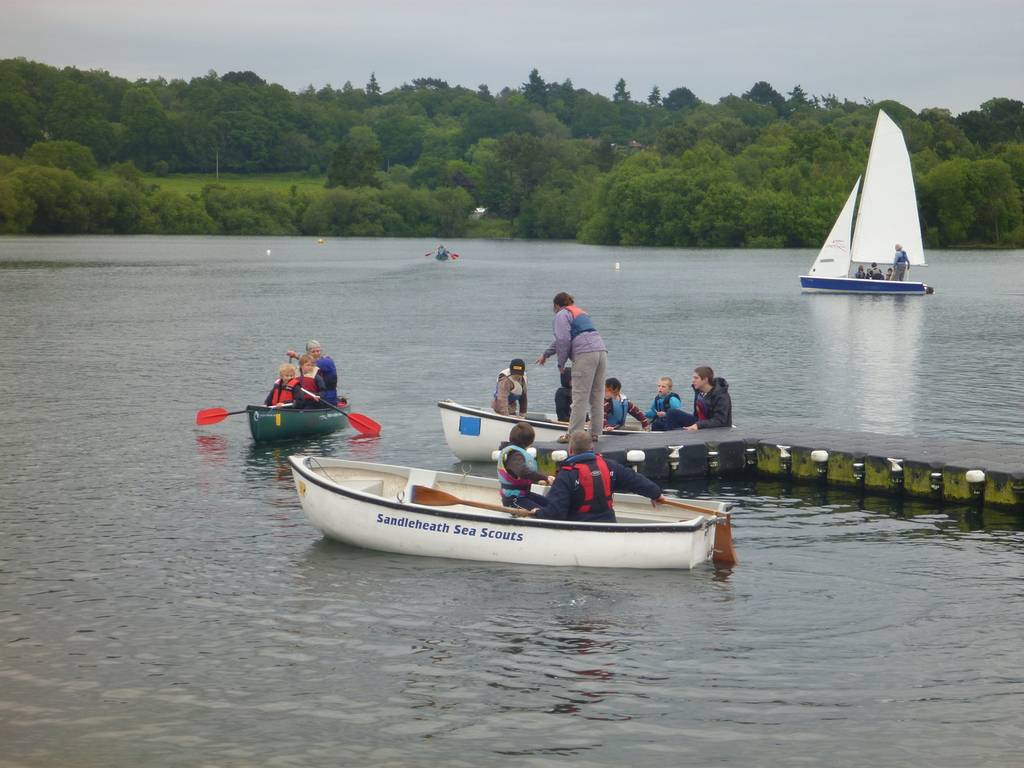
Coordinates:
[900,263]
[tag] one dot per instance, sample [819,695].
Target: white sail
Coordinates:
[834,257]
[888,203]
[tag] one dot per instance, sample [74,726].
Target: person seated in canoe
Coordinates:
[617,407]
[441,254]
[585,484]
[510,391]
[325,367]
[666,412]
[563,395]
[875,273]
[310,381]
[280,393]
[517,470]
[861,274]
[712,403]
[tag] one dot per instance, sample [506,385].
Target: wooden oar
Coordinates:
[432,497]
[724,553]
[364,424]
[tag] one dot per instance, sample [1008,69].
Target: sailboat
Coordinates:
[886,217]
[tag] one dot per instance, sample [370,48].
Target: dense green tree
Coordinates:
[621,95]
[356,160]
[69,155]
[654,97]
[762,93]
[679,99]
[535,89]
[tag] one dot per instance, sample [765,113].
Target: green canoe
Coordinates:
[285,424]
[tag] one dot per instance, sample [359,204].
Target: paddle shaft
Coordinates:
[432,497]
[364,424]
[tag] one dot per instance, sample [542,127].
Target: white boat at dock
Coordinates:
[473,434]
[374,506]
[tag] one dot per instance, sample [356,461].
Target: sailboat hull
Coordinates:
[811,284]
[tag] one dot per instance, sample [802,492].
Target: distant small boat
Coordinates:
[443,254]
[284,423]
[887,215]
[374,506]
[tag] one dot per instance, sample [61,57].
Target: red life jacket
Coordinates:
[279,395]
[306,382]
[593,502]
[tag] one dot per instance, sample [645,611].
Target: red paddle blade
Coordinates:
[364,424]
[211,415]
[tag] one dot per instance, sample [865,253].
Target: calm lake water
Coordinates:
[164,603]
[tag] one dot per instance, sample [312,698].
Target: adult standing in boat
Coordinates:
[585,484]
[900,263]
[510,391]
[576,339]
[712,404]
[325,367]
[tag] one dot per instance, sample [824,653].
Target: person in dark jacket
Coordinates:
[584,486]
[712,405]
[563,395]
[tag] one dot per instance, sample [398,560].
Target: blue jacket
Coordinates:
[330,379]
[664,403]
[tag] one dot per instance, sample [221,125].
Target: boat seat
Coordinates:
[427,477]
[372,485]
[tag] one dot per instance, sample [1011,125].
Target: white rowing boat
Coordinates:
[375,506]
[473,434]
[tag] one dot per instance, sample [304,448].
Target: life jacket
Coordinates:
[700,406]
[596,500]
[580,321]
[309,384]
[618,412]
[518,390]
[514,486]
[279,395]
[662,402]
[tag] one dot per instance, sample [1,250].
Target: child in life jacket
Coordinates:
[308,380]
[280,394]
[517,470]
[617,408]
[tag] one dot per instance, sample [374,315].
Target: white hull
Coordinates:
[365,505]
[473,434]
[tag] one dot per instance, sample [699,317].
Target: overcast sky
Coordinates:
[923,53]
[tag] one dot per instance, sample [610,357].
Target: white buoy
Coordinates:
[616,266]
[559,456]
[975,476]
[819,457]
[268,251]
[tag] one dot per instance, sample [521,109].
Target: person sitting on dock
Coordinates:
[517,470]
[617,407]
[712,404]
[281,393]
[510,391]
[861,274]
[584,486]
[666,412]
[563,395]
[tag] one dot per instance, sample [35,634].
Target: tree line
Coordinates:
[85,152]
